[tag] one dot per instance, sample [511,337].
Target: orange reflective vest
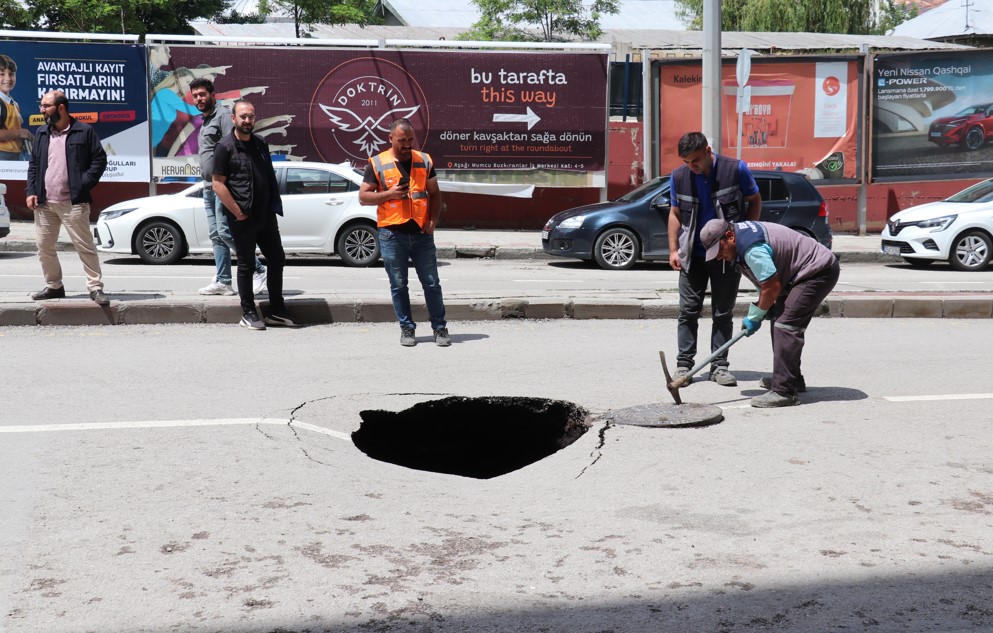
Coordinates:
[417,203]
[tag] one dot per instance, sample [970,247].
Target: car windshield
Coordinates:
[648,187]
[977,109]
[979,192]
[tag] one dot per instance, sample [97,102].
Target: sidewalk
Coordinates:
[455,244]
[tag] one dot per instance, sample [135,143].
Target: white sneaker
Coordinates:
[217,288]
[258,282]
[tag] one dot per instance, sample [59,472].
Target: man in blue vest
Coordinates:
[793,274]
[706,187]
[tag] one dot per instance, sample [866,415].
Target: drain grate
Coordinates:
[471,437]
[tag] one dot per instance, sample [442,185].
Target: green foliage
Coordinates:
[14,17]
[894,13]
[541,20]
[136,17]
[798,16]
[306,13]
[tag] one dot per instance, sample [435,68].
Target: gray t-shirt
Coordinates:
[214,128]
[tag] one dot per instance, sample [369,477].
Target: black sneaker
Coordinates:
[281,320]
[441,338]
[252,322]
[407,337]
[49,293]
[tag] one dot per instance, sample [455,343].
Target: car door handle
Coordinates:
[334,202]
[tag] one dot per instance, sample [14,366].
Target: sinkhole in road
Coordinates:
[472,437]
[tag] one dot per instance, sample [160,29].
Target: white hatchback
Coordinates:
[4,213]
[958,229]
[321,215]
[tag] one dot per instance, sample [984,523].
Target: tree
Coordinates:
[136,17]
[542,20]
[306,13]
[14,17]
[799,16]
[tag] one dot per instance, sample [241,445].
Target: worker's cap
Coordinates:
[711,236]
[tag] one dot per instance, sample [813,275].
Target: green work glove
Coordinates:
[753,321]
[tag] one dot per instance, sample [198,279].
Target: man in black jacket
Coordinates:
[245,183]
[66,164]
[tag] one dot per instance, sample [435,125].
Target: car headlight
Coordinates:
[937,224]
[574,222]
[116,213]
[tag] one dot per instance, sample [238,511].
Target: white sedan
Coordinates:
[321,214]
[4,213]
[958,229]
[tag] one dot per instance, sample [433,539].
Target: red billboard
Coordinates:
[471,110]
[803,115]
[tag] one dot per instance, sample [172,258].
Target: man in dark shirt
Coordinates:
[245,183]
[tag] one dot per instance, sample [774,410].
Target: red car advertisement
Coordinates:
[802,116]
[470,110]
[932,114]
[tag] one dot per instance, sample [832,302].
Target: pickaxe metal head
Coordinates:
[670,384]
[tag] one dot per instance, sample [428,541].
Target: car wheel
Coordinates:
[917,262]
[159,243]
[358,245]
[971,251]
[616,249]
[974,138]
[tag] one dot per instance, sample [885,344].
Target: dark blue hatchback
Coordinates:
[634,227]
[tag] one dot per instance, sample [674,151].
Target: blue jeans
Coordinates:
[220,237]
[22,155]
[397,249]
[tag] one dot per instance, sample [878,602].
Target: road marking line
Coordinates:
[319,429]
[951,396]
[162,424]
[550,281]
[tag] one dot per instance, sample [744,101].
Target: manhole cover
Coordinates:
[668,415]
[472,437]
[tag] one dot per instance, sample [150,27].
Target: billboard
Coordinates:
[932,114]
[106,86]
[470,110]
[803,114]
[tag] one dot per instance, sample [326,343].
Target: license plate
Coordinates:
[891,250]
[544,235]
[935,134]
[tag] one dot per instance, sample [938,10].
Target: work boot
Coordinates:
[723,377]
[407,337]
[680,372]
[99,298]
[766,383]
[772,399]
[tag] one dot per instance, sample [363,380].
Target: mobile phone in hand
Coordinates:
[404,182]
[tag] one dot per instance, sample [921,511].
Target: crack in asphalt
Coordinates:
[598,449]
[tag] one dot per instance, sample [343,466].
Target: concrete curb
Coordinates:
[322,311]
[449,250]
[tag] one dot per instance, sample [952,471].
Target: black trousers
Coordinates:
[247,234]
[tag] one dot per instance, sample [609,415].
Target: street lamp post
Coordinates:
[711,106]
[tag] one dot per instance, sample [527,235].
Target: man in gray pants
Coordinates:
[794,274]
[217,124]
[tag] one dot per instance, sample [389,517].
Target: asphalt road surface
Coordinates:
[203,479]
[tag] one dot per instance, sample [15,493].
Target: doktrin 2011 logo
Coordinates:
[355,103]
